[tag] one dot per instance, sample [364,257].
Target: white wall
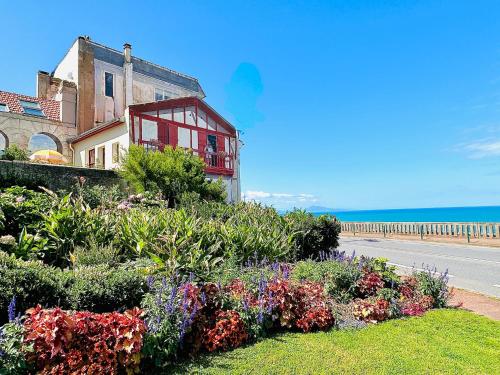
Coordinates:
[106,138]
[68,67]
[107,108]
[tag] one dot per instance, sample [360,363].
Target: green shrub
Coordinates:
[94,254]
[104,289]
[171,172]
[313,235]
[14,152]
[31,282]
[338,278]
[71,223]
[380,266]
[435,285]
[20,208]
[13,351]
[98,195]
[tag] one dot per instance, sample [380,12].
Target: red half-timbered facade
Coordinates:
[190,123]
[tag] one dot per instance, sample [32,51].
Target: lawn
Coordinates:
[442,341]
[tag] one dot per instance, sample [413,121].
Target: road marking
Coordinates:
[419,269]
[430,253]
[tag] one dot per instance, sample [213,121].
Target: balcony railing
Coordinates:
[216,162]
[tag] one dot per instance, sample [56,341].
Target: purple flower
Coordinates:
[12,309]
[203,298]
[150,281]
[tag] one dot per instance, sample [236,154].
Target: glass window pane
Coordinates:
[212,125]
[202,119]
[158,95]
[190,116]
[179,115]
[27,104]
[184,137]
[166,114]
[33,111]
[4,108]
[108,82]
[194,135]
[149,130]
[3,142]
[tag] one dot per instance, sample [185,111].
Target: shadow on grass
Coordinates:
[206,360]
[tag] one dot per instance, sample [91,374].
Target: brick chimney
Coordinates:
[127,74]
[42,85]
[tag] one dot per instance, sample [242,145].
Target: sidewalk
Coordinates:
[475,302]
[487,242]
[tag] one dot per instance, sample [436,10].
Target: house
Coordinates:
[119,100]
[34,123]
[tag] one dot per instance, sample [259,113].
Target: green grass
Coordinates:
[441,342]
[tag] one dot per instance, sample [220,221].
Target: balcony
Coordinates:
[218,163]
[188,123]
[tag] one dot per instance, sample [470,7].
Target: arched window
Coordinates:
[44,141]
[4,142]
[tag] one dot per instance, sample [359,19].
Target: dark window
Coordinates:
[211,150]
[92,158]
[31,108]
[108,82]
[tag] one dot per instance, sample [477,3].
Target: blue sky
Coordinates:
[352,104]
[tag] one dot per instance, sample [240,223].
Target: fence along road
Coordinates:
[475,268]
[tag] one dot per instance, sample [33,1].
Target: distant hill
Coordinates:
[324,209]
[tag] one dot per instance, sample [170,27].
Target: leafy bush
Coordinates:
[31,282]
[94,254]
[313,234]
[434,284]
[371,311]
[12,350]
[98,195]
[171,172]
[370,283]
[339,278]
[14,152]
[84,342]
[71,223]
[20,208]
[103,288]
[227,333]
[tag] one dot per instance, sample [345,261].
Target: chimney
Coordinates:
[127,73]
[127,52]
[42,84]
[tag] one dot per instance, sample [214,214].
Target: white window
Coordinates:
[161,94]
[4,107]
[31,108]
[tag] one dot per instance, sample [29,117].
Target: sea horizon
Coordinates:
[480,214]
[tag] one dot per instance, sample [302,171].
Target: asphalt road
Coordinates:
[470,267]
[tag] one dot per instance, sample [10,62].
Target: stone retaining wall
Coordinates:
[53,177]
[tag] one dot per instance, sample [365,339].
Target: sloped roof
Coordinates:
[96,130]
[147,68]
[50,108]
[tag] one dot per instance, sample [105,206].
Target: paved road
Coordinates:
[470,267]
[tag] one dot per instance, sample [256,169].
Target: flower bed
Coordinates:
[180,317]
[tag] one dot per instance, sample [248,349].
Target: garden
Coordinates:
[98,280]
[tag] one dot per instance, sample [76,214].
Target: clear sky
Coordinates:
[344,104]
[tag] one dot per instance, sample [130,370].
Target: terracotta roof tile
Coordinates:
[51,108]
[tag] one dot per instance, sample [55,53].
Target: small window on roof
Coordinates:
[31,108]
[4,107]
[108,84]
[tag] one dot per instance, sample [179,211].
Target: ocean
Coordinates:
[483,214]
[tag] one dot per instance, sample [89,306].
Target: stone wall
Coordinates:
[53,177]
[18,130]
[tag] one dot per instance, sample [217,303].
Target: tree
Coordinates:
[170,172]
[14,152]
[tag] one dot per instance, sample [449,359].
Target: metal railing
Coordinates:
[441,229]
